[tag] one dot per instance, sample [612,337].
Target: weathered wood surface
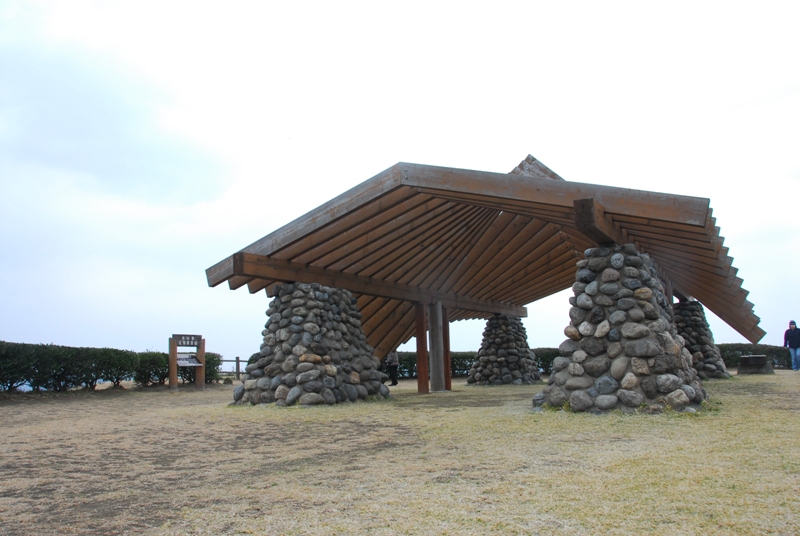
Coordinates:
[485,242]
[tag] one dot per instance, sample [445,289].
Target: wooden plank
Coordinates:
[393,249]
[531,167]
[546,267]
[238,282]
[258,266]
[421,312]
[491,252]
[564,216]
[547,288]
[448,386]
[390,244]
[402,264]
[429,261]
[462,250]
[222,271]
[722,268]
[514,258]
[338,207]
[739,318]
[334,233]
[627,220]
[344,241]
[591,220]
[488,237]
[654,205]
[257,285]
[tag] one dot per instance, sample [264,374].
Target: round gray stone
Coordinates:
[668,382]
[606,385]
[618,367]
[294,395]
[631,399]
[580,401]
[311,399]
[605,402]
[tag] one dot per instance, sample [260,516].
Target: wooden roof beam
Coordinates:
[688,210]
[259,266]
[591,220]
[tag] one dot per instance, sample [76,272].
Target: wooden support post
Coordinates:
[437,347]
[446,340]
[200,373]
[422,347]
[237,368]
[173,364]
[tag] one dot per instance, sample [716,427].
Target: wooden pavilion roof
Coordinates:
[484,242]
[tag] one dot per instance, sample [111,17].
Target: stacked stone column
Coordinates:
[690,320]
[504,356]
[622,351]
[314,351]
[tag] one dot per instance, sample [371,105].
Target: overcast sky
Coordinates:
[142,142]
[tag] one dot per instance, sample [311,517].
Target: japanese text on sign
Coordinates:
[187,340]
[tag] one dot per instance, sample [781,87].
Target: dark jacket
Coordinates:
[792,338]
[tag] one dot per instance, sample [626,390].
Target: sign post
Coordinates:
[187,359]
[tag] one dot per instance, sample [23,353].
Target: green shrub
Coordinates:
[731,352]
[40,372]
[213,363]
[15,359]
[152,368]
[460,363]
[116,366]
[545,358]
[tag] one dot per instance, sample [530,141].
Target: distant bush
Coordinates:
[460,363]
[732,352]
[15,360]
[59,368]
[545,358]
[152,369]
[213,363]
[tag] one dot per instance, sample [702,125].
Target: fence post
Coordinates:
[237,367]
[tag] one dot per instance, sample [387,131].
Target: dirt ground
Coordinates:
[473,461]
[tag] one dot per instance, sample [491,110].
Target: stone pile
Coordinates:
[314,351]
[504,356]
[622,351]
[690,320]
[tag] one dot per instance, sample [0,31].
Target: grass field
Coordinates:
[472,461]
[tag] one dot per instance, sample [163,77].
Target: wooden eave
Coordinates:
[484,243]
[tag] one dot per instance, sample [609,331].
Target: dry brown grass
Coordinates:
[474,461]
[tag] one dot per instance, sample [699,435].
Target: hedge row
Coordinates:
[777,354]
[60,368]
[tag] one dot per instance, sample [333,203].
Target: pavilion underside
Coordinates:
[481,243]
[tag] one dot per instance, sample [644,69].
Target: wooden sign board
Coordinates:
[187,340]
[187,359]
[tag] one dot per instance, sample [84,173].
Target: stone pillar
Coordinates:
[690,320]
[504,356]
[622,351]
[436,332]
[314,351]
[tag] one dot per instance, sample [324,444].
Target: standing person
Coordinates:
[791,340]
[392,362]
